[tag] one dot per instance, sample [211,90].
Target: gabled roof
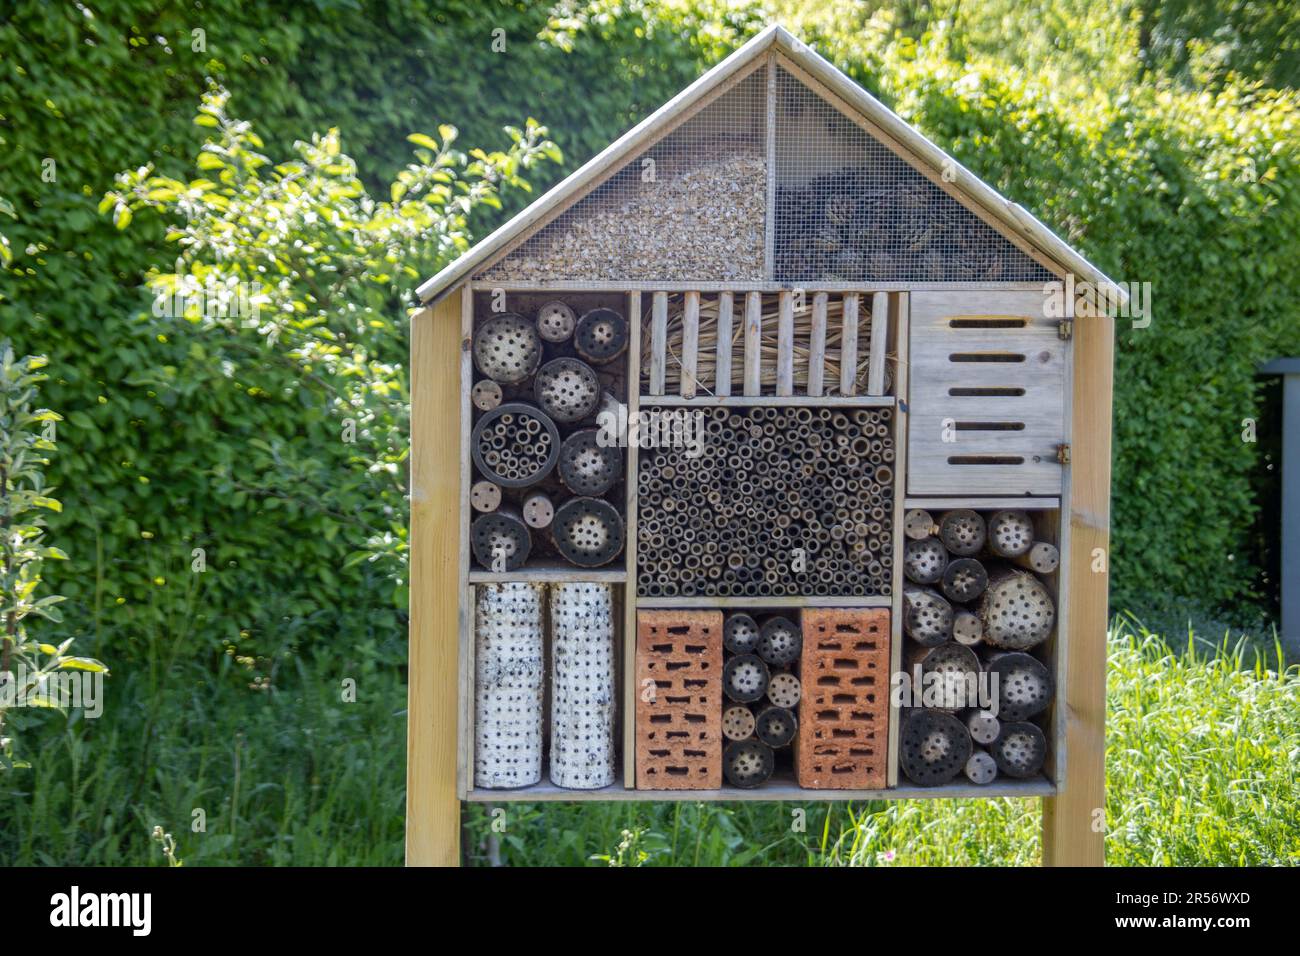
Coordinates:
[1008,218]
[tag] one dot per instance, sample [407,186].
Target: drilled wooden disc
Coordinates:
[601,335]
[933,747]
[924,560]
[507,348]
[738,722]
[1020,750]
[747,763]
[981,768]
[1011,533]
[1024,685]
[784,690]
[485,496]
[744,678]
[1018,612]
[964,579]
[740,634]
[928,617]
[776,726]
[500,541]
[779,641]
[963,532]
[586,466]
[588,531]
[567,389]
[556,321]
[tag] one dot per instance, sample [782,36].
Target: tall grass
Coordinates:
[1202,754]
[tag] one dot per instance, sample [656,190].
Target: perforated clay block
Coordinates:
[679,700]
[582,686]
[844,712]
[508,682]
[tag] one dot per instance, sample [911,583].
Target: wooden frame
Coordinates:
[440,712]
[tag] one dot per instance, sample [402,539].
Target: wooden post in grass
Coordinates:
[432,805]
[1074,820]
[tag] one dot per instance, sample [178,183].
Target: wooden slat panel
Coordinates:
[753,338]
[690,343]
[817,346]
[722,387]
[785,344]
[658,342]
[937,334]
[849,345]
[879,332]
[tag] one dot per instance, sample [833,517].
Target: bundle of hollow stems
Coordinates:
[707,351]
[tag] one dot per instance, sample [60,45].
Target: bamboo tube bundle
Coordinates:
[706,362]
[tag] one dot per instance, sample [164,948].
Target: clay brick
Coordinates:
[844,712]
[679,730]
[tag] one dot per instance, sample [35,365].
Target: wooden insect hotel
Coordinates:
[765,457]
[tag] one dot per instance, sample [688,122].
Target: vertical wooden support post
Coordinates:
[690,343]
[658,342]
[753,343]
[849,346]
[432,807]
[900,328]
[879,336]
[627,662]
[817,346]
[1073,821]
[723,363]
[785,343]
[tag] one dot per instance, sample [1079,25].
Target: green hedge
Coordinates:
[1148,184]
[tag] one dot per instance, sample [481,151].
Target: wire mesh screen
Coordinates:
[848,209]
[692,206]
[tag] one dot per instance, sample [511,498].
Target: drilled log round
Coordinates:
[918,524]
[588,532]
[567,389]
[924,560]
[1024,685]
[1020,750]
[745,678]
[515,444]
[981,768]
[740,634]
[586,466]
[738,722]
[556,322]
[500,540]
[601,336]
[485,496]
[983,726]
[486,394]
[967,628]
[1042,557]
[964,579]
[507,348]
[1018,612]
[933,747]
[538,511]
[747,763]
[776,726]
[957,668]
[779,641]
[928,617]
[963,532]
[784,690]
[1011,533]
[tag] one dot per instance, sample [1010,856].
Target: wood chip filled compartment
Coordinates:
[546,491]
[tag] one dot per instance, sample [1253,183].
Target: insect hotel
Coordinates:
[765,457]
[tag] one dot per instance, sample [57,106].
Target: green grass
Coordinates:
[1203,749]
